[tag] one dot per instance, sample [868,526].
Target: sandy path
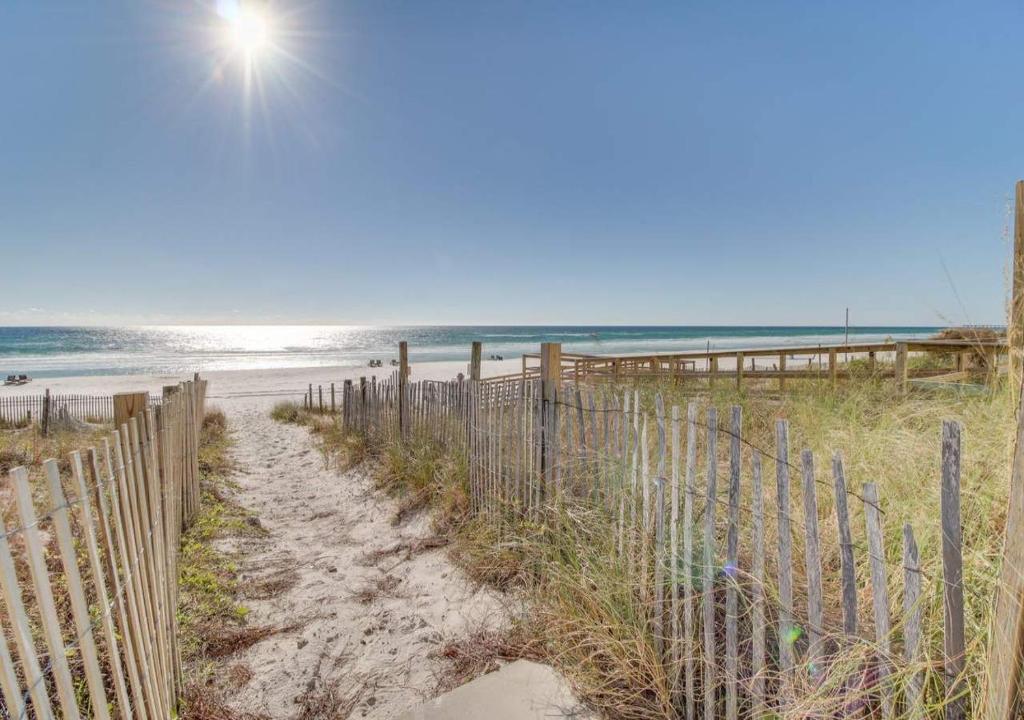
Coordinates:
[323,526]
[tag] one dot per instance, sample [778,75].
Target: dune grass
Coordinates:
[589,617]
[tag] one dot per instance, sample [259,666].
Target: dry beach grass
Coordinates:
[592,623]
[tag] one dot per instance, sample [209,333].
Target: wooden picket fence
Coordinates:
[742,629]
[89,575]
[23,410]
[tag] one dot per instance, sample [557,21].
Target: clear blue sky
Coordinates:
[510,162]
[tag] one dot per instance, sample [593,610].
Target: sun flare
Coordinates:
[249,31]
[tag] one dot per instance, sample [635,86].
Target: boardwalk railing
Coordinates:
[780,364]
[89,571]
[723,541]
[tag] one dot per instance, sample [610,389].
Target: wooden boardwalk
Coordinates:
[949,361]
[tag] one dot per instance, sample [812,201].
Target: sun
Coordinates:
[249,31]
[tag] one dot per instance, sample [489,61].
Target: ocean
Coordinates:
[71,351]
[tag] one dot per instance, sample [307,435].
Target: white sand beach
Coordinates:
[262,387]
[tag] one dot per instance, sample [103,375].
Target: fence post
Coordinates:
[739,371]
[403,385]
[901,367]
[45,419]
[346,405]
[550,373]
[474,361]
[128,405]
[332,399]
[955,647]
[833,365]
[362,404]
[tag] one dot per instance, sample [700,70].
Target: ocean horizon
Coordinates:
[53,351]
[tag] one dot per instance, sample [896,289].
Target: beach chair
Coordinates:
[22,379]
[11,380]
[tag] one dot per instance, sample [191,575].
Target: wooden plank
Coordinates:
[849,570]
[59,669]
[1006,650]
[1015,331]
[128,551]
[167,600]
[708,600]
[787,631]
[22,631]
[658,624]
[11,692]
[673,541]
[659,516]
[757,594]
[550,362]
[634,482]
[955,645]
[581,422]
[151,556]
[647,511]
[879,593]
[624,472]
[128,405]
[901,367]
[110,564]
[76,591]
[555,411]
[812,554]
[45,421]
[912,633]
[475,356]
[689,499]
[404,420]
[732,570]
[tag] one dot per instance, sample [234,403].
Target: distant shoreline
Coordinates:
[54,353]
